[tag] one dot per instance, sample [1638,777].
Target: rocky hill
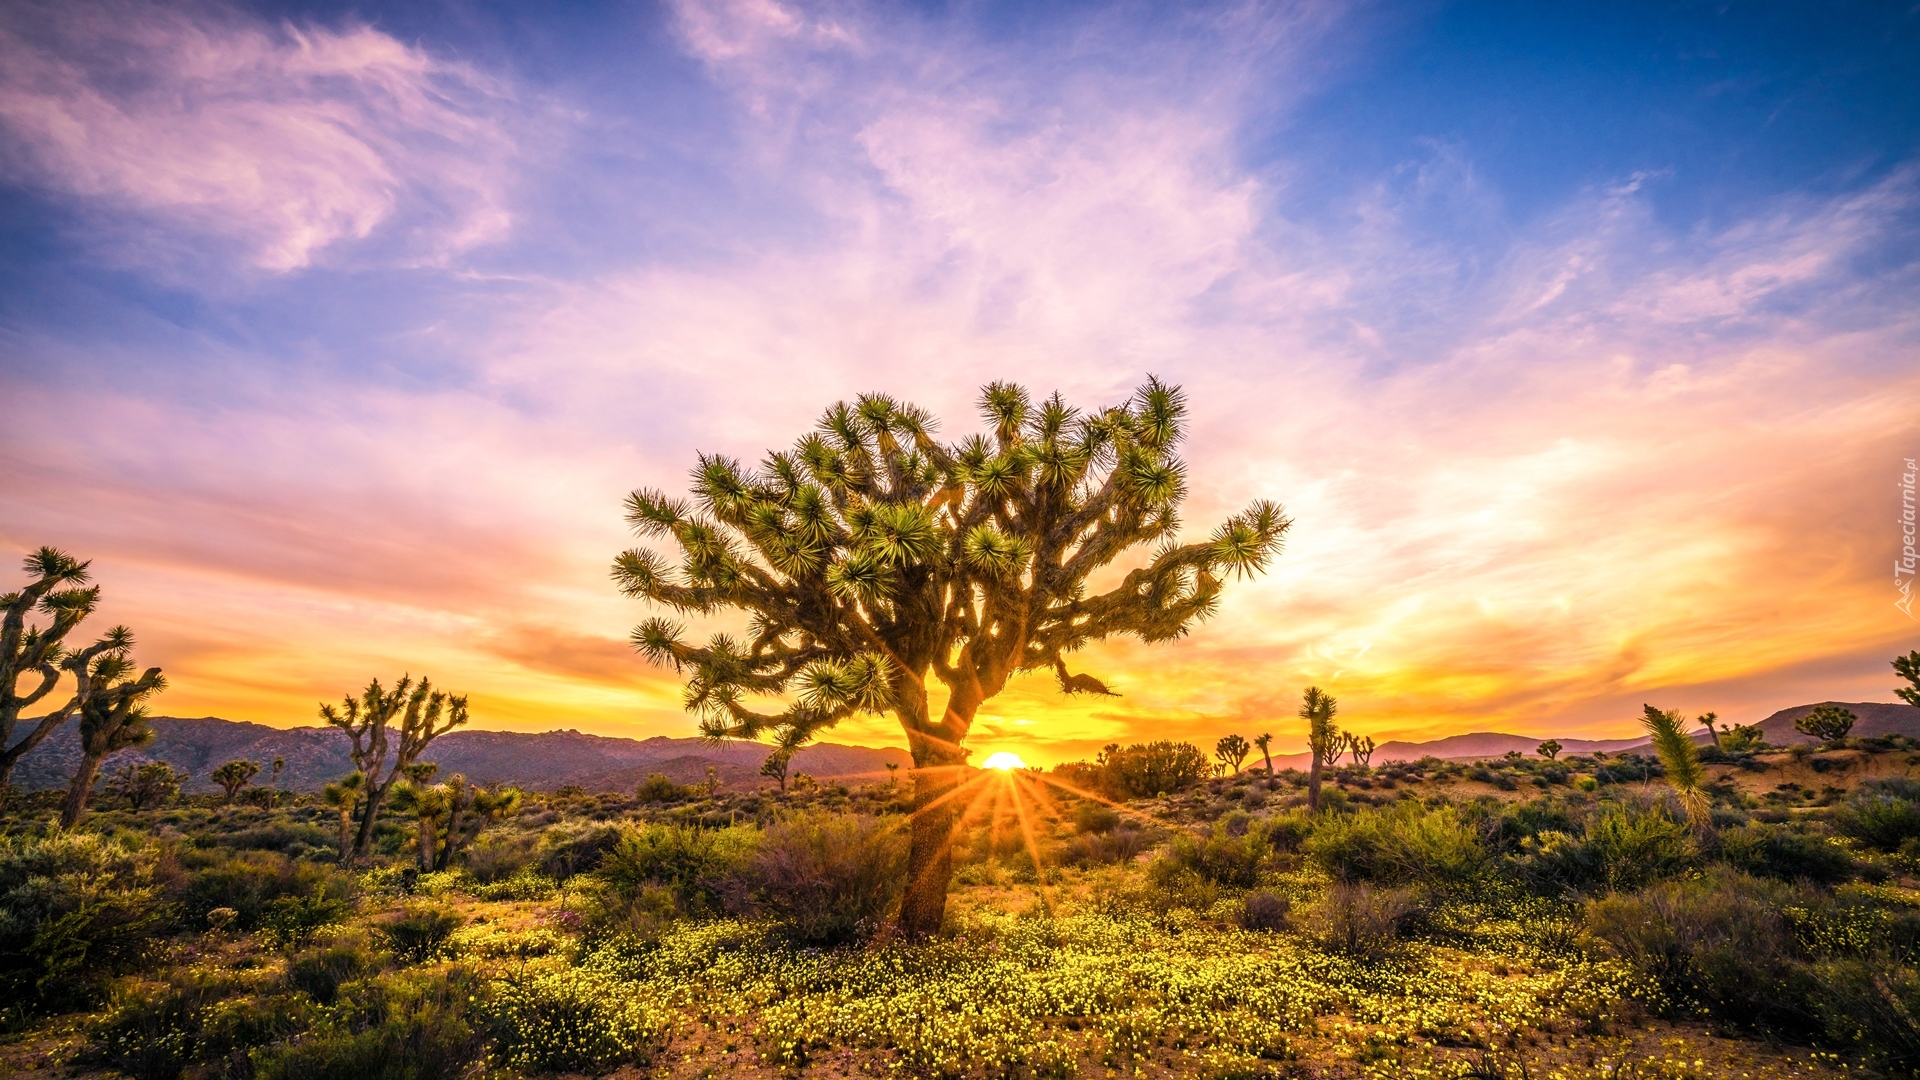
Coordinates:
[316,756]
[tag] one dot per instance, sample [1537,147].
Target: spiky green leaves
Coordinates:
[1249,539]
[862,683]
[1681,760]
[995,554]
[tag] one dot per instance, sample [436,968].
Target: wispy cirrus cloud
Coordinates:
[282,140]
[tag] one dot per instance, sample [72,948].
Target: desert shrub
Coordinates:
[656,872]
[1219,857]
[1098,849]
[1882,815]
[292,921]
[413,1025]
[499,855]
[1771,851]
[657,788]
[1264,911]
[203,1019]
[1623,848]
[570,852]
[321,970]
[291,837]
[1872,1006]
[417,932]
[75,910]
[827,879]
[571,1020]
[1092,817]
[1400,845]
[1156,768]
[249,881]
[1360,920]
[525,884]
[1288,831]
[1720,941]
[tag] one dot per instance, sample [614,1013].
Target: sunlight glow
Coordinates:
[1005,761]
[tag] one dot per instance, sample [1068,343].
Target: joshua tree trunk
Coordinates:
[79,791]
[428,844]
[346,833]
[930,859]
[1313,783]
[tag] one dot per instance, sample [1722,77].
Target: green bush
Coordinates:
[1772,851]
[323,969]
[414,1025]
[417,933]
[572,1020]
[248,881]
[1721,941]
[1406,844]
[1218,857]
[654,872]
[292,921]
[75,910]
[1093,817]
[201,1019]
[1357,919]
[828,879]
[1872,1005]
[1884,816]
[1623,849]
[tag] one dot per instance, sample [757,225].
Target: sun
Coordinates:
[1005,761]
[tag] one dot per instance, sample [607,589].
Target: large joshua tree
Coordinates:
[1318,708]
[424,713]
[875,561]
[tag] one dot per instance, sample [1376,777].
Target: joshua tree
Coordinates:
[1318,709]
[235,775]
[1361,747]
[425,715]
[428,805]
[470,809]
[344,797]
[1706,721]
[1681,760]
[1828,723]
[875,560]
[1908,668]
[1263,742]
[1232,750]
[1550,749]
[787,742]
[38,653]
[145,784]
[108,700]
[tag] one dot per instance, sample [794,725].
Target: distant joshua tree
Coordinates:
[145,784]
[1361,747]
[425,714]
[1232,750]
[235,775]
[1706,721]
[1317,708]
[1550,749]
[1681,760]
[1264,741]
[1828,723]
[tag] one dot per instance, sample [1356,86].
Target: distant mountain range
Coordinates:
[541,762]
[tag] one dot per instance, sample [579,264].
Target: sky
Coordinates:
[1581,342]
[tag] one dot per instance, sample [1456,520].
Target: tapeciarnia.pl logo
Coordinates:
[1904,565]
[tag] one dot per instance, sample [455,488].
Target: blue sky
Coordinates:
[1580,339]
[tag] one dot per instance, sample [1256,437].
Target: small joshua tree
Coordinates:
[1706,721]
[344,797]
[1549,749]
[425,714]
[880,566]
[1264,742]
[235,775]
[470,809]
[1681,760]
[1318,708]
[1828,723]
[145,784]
[1231,750]
[112,717]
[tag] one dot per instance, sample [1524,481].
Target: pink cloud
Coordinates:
[283,140]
